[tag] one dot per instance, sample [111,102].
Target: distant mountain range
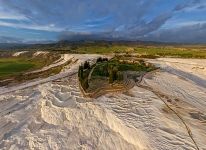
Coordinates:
[10,45]
[65,43]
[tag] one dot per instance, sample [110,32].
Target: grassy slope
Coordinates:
[10,66]
[14,66]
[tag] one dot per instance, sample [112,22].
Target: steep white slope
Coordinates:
[54,115]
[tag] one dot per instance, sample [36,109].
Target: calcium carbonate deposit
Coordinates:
[166,111]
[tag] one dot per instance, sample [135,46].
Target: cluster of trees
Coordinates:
[100,59]
[114,74]
[109,70]
[102,70]
[82,68]
[86,65]
[105,69]
[83,73]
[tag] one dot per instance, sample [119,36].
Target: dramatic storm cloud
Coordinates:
[52,20]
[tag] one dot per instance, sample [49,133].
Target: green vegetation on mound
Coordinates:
[111,74]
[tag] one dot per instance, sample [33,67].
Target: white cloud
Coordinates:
[171,24]
[32,26]
[10,14]
[4,15]
[189,23]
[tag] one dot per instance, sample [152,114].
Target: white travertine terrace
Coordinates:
[52,114]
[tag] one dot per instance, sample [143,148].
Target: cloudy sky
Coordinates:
[31,21]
